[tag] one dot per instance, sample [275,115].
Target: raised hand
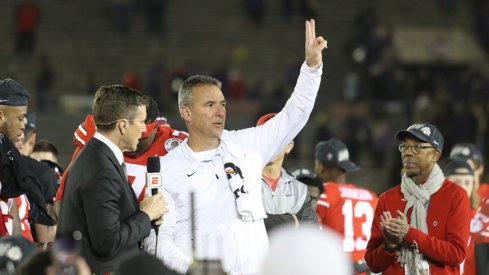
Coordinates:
[314,45]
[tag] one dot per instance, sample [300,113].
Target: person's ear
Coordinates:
[436,155]
[32,139]
[319,168]
[185,113]
[122,125]
[289,147]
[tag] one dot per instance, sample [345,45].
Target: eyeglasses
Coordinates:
[414,148]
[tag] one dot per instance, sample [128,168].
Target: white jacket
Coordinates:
[220,233]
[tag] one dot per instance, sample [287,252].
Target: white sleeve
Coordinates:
[269,139]
[168,252]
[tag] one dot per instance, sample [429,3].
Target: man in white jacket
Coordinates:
[223,170]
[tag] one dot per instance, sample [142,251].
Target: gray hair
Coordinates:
[185,92]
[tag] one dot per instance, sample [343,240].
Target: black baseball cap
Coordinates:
[307,176]
[335,151]
[30,120]
[303,172]
[425,132]
[466,150]
[12,93]
[457,166]
[15,249]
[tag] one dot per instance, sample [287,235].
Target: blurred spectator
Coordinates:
[354,90]
[27,18]
[480,228]
[47,180]
[143,264]
[45,150]
[44,84]
[237,88]
[14,251]
[42,263]
[16,180]
[130,79]
[306,251]
[314,184]
[458,171]
[475,159]
[380,141]
[356,129]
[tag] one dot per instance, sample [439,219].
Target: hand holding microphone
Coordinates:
[155,206]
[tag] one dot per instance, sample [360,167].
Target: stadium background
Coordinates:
[389,63]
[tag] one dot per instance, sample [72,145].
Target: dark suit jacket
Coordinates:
[99,202]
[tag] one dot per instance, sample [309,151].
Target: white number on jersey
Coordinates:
[362,208]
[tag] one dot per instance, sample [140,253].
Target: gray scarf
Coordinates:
[418,198]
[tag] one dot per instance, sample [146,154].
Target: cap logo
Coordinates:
[436,142]
[329,156]
[343,155]
[14,253]
[415,126]
[460,150]
[426,131]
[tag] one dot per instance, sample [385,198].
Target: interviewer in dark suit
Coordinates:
[98,201]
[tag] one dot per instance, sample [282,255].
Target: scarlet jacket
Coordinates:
[448,220]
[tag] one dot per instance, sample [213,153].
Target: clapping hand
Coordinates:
[391,236]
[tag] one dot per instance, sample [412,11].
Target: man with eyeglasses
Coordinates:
[422,225]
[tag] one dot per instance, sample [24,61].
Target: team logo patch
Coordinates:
[172,143]
[426,131]
[230,171]
[476,226]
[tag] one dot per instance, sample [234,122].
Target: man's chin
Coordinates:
[132,153]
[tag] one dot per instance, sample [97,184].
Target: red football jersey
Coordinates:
[165,140]
[479,233]
[479,225]
[349,210]
[467,267]
[483,193]
[23,208]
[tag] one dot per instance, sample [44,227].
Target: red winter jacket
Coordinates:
[448,221]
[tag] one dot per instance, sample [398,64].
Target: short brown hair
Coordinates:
[115,102]
[45,146]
